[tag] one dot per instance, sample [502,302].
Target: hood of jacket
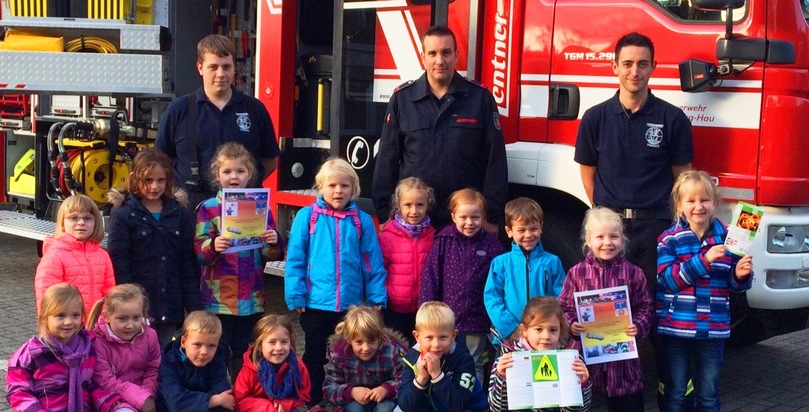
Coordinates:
[342,346]
[117,197]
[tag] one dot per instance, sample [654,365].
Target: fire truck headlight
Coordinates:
[787,239]
[788,279]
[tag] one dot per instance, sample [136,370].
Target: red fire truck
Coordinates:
[325,70]
[326,75]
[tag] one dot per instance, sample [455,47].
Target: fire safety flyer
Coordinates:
[244,217]
[605,314]
[743,228]
[543,379]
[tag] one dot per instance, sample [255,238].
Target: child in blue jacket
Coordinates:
[525,272]
[440,373]
[333,261]
[193,374]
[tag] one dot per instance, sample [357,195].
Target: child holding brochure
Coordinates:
[695,275]
[232,283]
[604,266]
[543,327]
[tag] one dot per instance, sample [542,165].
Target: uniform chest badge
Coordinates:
[654,134]
[243,121]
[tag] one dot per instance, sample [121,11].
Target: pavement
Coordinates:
[772,375]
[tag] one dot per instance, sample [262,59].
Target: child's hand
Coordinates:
[224,399]
[360,394]
[505,362]
[433,364]
[270,237]
[744,267]
[576,328]
[631,330]
[422,373]
[581,370]
[715,252]
[220,243]
[148,405]
[300,310]
[378,394]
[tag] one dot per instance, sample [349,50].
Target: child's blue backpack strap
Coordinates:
[317,210]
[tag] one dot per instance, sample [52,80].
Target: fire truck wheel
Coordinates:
[749,326]
[561,235]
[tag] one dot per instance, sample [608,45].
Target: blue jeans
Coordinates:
[708,356]
[384,406]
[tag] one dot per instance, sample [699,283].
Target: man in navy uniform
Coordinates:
[631,148]
[444,129]
[215,114]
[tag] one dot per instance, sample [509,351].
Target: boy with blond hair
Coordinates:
[440,373]
[525,272]
[193,374]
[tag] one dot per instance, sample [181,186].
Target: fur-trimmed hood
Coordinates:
[340,345]
[116,197]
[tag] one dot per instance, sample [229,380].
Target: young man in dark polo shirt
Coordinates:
[631,148]
[222,115]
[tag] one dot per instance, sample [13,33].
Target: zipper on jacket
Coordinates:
[337,260]
[527,275]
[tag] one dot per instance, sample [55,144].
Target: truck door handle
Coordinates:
[564,101]
[323,99]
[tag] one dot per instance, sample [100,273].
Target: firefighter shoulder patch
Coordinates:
[496,120]
[404,85]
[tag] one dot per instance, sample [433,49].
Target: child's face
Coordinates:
[436,340]
[605,240]
[413,205]
[276,346]
[200,347]
[364,348]
[65,323]
[127,320]
[697,207]
[337,190]
[525,234]
[468,219]
[153,184]
[80,225]
[233,173]
[543,334]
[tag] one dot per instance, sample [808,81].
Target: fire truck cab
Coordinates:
[738,69]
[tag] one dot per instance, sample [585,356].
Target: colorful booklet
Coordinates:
[543,379]
[743,228]
[244,217]
[605,314]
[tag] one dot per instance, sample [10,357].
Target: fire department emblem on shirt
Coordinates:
[654,134]
[243,121]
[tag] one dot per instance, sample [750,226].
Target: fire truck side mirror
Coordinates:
[772,51]
[697,75]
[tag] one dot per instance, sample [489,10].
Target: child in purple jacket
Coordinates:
[605,267]
[457,268]
[54,371]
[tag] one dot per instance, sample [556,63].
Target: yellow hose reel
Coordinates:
[96,177]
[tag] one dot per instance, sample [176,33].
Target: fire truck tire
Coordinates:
[561,235]
[749,325]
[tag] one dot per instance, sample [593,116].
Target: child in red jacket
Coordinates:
[272,377]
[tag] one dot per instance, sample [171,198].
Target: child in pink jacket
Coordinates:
[405,242]
[75,255]
[127,350]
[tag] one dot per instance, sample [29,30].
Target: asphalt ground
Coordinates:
[772,375]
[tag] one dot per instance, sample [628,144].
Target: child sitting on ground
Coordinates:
[193,374]
[440,372]
[365,366]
